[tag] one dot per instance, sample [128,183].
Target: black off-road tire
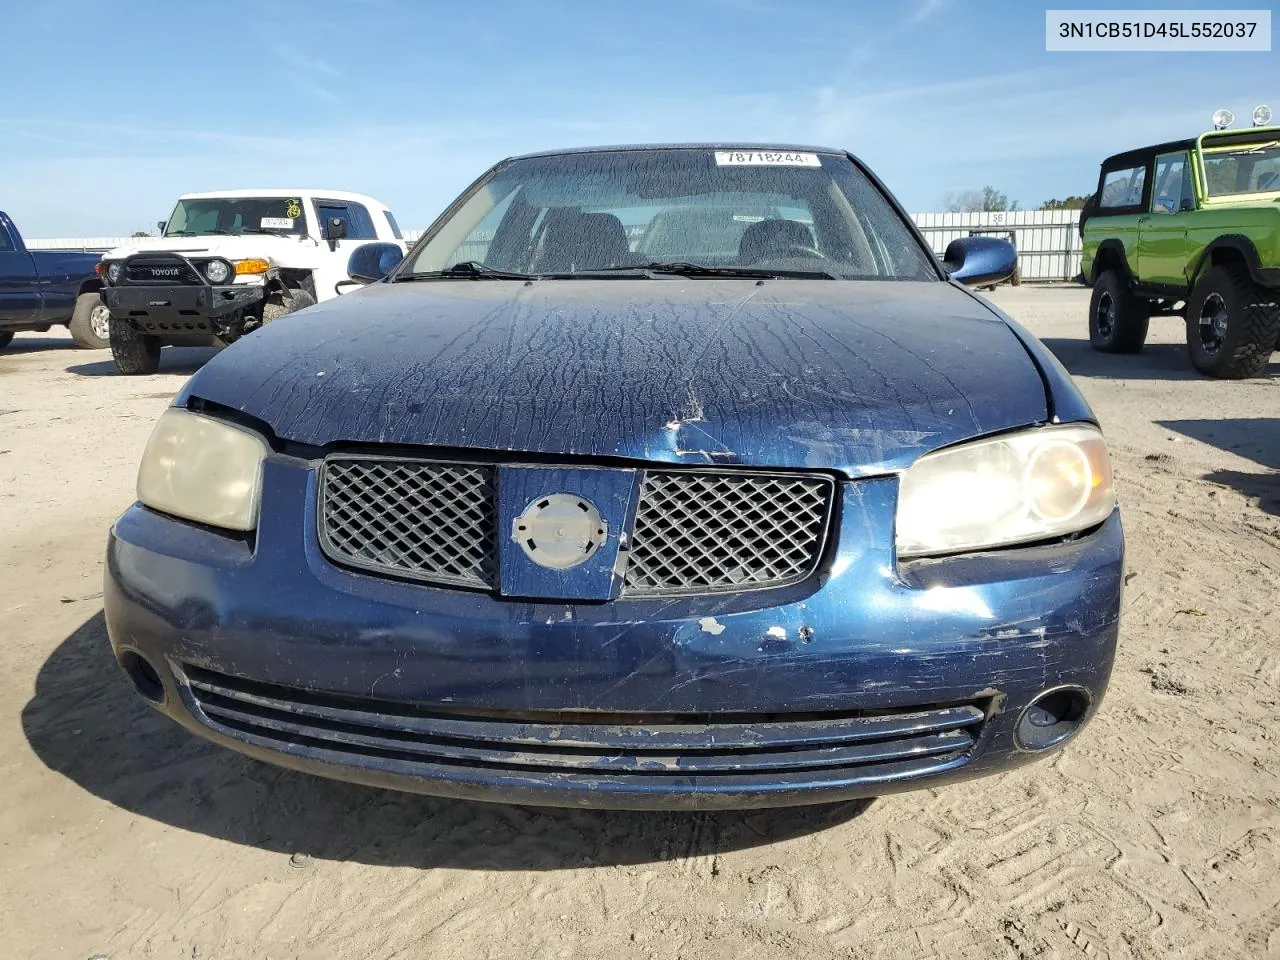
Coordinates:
[281,303]
[134,352]
[6,338]
[1118,318]
[1233,324]
[90,323]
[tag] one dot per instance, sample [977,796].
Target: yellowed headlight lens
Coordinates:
[1020,487]
[203,469]
[1059,479]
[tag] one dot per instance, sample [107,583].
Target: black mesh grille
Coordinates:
[696,532]
[435,522]
[708,532]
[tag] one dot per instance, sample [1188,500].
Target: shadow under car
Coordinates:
[86,722]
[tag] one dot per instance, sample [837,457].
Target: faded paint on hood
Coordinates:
[861,377]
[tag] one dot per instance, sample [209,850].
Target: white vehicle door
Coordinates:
[359,231]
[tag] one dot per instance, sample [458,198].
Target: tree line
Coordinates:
[991,200]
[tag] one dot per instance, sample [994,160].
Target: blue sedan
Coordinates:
[652,477]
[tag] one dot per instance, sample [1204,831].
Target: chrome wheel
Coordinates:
[100,322]
[1105,316]
[1213,323]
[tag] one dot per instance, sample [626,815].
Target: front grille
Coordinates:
[343,729]
[161,271]
[435,522]
[696,531]
[709,532]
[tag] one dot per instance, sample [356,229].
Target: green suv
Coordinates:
[1189,228]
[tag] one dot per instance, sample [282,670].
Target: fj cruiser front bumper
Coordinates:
[167,294]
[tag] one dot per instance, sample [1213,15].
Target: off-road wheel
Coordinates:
[1233,324]
[1118,318]
[284,302]
[134,352]
[6,338]
[91,322]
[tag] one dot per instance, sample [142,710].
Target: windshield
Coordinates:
[236,215]
[1242,168]
[585,213]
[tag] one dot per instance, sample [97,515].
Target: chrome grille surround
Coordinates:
[697,531]
[716,531]
[433,521]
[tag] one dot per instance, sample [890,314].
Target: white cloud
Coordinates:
[928,9]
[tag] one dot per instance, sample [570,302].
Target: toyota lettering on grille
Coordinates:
[164,271]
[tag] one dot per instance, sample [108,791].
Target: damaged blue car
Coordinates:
[652,477]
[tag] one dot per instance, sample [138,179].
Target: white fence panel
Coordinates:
[83,244]
[1048,241]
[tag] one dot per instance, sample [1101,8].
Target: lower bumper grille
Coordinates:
[634,746]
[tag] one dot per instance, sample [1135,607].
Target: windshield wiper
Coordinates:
[469,269]
[684,268]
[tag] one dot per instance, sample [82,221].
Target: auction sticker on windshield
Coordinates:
[765,158]
[276,223]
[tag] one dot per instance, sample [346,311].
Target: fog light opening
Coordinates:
[1052,717]
[144,676]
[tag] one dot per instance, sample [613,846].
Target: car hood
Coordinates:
[860,377]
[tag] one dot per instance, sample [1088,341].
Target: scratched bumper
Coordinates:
[271,650]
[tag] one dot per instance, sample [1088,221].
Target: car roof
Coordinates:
[285,192]
[655,147]
[1141,154]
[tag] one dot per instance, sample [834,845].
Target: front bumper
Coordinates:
[868,680]
[182,309]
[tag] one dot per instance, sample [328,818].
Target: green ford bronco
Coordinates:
[1192,229]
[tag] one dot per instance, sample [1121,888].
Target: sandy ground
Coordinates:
[1156,834]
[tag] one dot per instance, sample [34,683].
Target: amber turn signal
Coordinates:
[250,267]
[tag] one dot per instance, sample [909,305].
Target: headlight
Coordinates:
[1031,485]
[217,271]
[113,273]
[202,469]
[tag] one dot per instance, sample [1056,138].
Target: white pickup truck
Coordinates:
[230,261]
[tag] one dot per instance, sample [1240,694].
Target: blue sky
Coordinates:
[109,111]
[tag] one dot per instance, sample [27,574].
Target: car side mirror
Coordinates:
[160,225]
[373,262]
[335,229]
[1186,204]
[977,261]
